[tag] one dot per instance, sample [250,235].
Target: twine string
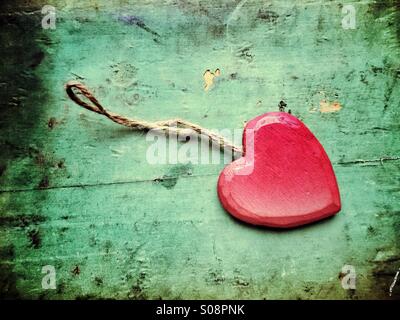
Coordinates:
[177,126]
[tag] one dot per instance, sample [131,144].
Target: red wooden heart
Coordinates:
[284,179]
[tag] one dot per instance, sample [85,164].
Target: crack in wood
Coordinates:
[100,184]
[380,160]
[362,161]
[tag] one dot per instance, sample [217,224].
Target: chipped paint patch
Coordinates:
[209,77]
[327,107]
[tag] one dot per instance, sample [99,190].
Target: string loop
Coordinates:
[172,126]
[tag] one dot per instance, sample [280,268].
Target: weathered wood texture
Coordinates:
[77,192]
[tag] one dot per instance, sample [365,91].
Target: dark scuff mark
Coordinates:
[170,179]
[267,15]
[217,30]
[390,9]
[76,271]
[52,122]
[167,182]
[60,287]
[3,169]
[22,221]
[233,76]
[363,78]
[37,59]
[241,282]
[92,241]
[35,238]
[15,152]
[137,291]
[39,158]
[371,231]
[7,252]
[392,71]
[63,230]
[215,277]
[390,85]
[350,76]
[245,53]
[107,247]
[376,69]
[98,281]
[8,283]
[61,164]
[44,183]
[136,21]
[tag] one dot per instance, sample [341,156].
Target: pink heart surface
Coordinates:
[284,179]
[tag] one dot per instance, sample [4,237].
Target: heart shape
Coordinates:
[284,179]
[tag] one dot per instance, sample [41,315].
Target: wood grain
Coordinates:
[79,192]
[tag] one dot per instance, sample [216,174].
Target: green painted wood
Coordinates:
[78,193]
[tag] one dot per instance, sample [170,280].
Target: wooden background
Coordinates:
[77,192]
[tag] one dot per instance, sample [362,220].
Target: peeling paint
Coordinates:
[328,107]
[162,230]
[209,78]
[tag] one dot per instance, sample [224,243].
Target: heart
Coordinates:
[284,179]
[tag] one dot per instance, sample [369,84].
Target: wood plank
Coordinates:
[77,190]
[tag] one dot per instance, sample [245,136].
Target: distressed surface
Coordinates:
[78,193]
